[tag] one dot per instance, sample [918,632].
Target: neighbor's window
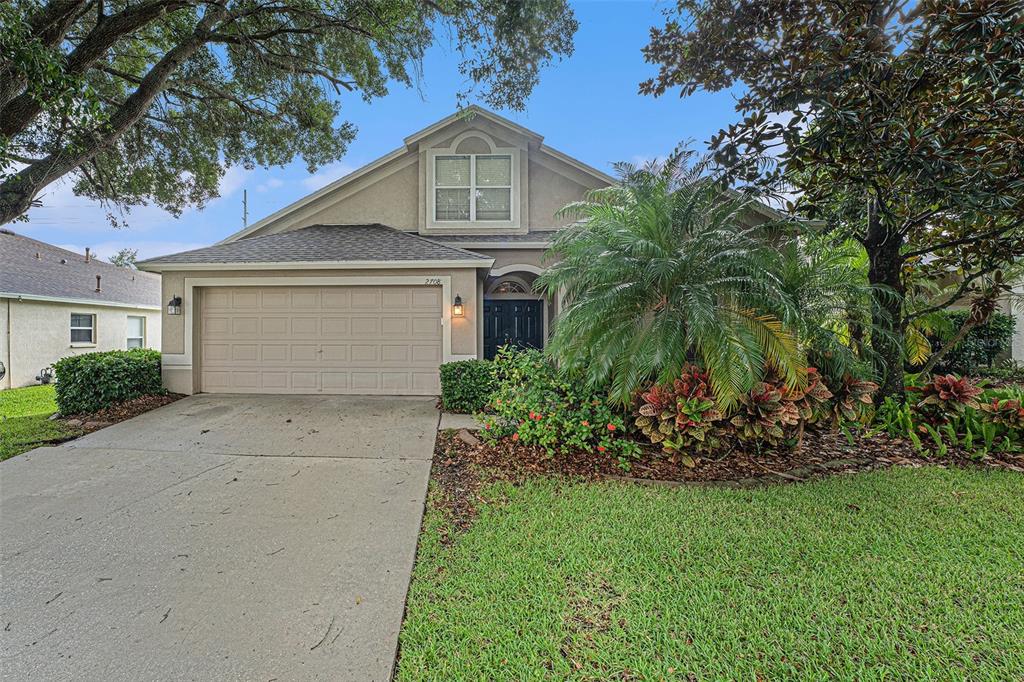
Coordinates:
[136,332]
[83,328]
[473,187]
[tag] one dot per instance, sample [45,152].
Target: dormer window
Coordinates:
[473,188]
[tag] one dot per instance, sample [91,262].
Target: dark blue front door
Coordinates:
[512,321]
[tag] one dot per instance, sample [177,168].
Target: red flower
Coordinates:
[532,415]
[515,436]
[538,416]
[601,448]
[611,427]
[586,423]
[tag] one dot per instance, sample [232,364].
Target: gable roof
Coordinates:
[410,142]
[35,270]
[322,246]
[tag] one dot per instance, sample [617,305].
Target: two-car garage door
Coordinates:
[308,339]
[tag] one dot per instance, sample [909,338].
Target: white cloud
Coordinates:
[233,180]
[269,184]
[61,209]
[328,174]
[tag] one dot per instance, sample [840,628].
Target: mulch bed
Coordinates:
[120,412]
[462,467]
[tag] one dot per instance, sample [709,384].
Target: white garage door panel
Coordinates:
[383,339]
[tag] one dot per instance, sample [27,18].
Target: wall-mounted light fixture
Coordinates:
[457,309]
[174,306]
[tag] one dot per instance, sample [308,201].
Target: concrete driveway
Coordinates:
[217,538]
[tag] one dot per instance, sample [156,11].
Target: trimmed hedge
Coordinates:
[466,385]
[90,382]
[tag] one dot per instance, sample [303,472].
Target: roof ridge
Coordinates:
[94,258]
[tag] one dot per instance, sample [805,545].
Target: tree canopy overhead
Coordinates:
[901,120]
[150,100]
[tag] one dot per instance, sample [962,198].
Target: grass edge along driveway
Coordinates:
[892,574]
[24,423]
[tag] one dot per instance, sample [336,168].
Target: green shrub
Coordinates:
[980,347]
[536,403]
[466,385]
[93,381]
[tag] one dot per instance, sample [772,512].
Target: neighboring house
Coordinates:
[427,255]
[55,303]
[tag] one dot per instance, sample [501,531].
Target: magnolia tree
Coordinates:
[151,100]
[901,121]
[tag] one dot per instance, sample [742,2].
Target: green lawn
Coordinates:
[23,420]
[895,574]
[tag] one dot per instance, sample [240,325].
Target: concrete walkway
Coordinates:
[217,538]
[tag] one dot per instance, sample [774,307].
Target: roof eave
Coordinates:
[322,265]
[78,301]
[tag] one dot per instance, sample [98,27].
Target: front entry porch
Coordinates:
[519,322]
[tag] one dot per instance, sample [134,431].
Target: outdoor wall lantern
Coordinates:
[457,309]
[174,306]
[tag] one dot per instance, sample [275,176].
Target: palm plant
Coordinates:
[827,284]
[658,270]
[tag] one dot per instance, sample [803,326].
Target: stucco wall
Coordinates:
[395,193]
[181,377]
[39,334]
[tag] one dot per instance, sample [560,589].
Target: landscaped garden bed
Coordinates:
[94,390]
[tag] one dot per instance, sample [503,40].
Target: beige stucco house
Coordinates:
[426,255]
[55,303]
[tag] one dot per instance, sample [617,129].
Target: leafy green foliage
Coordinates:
[92,381]
[982,344]
[466,385]
[658,271]
[898,122]
[681,415]
[151,102]
[537,403]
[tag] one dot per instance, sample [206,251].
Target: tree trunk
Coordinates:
[885,264]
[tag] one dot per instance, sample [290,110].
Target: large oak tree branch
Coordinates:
[19,112]
[18,190]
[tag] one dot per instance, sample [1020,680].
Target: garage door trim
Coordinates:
[184,360]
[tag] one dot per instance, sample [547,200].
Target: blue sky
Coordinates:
[586,106]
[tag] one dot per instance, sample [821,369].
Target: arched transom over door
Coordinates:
[321,339]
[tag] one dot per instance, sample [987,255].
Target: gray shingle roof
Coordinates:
[333,243]
[23,273]
[544,236]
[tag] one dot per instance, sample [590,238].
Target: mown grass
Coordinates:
[895,574]
[24,422]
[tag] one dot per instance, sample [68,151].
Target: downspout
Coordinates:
[9,379]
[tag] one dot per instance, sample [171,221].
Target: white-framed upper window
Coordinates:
[473,188]
[83,328]
[136,335]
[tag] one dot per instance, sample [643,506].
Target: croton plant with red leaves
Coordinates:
[682,414]
[946,396]
[1008,413]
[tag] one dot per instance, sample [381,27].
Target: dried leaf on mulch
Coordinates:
[126,410]
[462,469]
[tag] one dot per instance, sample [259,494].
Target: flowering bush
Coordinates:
[535,403]
[945,397]
[681,415]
